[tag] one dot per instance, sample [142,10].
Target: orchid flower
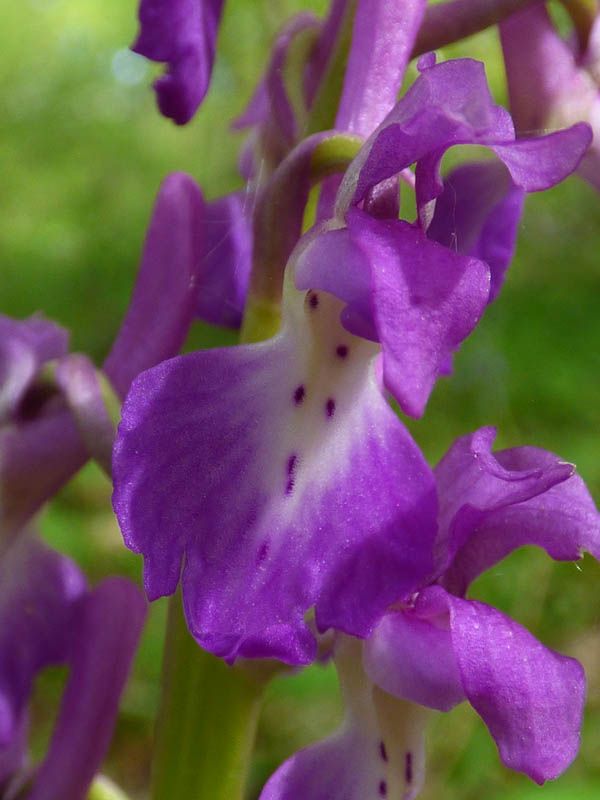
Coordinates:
[276,472]
[48,429]
[435,648]
[39,442]
[552,82]
[48,616]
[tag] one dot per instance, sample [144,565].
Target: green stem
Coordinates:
[206,722]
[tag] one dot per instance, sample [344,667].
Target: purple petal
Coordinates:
[105,638]
[378,752]
[478,215]
[35,460]
[25,345]
[548,87]
[449,103]
[257,462]
[76,376]
[490,504]
[523,496]
[413,658]
[166,290]
[182,33]
[531,698]
[538,164]
[382,41]
[39,596]
[256,111]
[438,295]
[331,261]
[423,299]
[539,65]
[226,259]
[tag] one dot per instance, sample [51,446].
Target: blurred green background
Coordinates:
[83,151]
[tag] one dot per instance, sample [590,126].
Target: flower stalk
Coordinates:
[278,223]
[206,721]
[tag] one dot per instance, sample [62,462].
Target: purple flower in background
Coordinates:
[276,114]
[295,484]
[183,34]
[39,442]
[49,429]
[552,82]
[436,648]
[48,616]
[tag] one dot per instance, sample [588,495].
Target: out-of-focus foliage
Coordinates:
[83,151]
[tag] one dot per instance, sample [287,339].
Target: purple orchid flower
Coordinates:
[45,437]
[551,82]
[437,648]
[295,484]
[449,104]
[183,34]
[39,441]
[48,616]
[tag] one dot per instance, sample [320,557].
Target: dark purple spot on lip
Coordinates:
[299,393]
[341,351]
[313,299]
[330,406]
[408,769]
[383,751]
[291,469]
[382,789]
[262,553]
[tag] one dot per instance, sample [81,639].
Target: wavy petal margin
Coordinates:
[493,503]
[182,33]
[272,451]
[531,698]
